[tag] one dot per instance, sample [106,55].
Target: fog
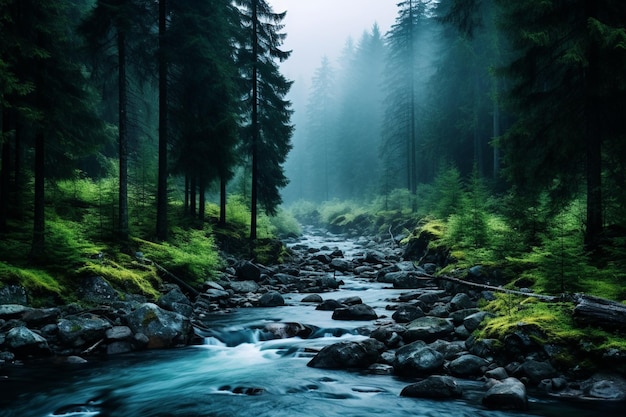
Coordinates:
[321,27]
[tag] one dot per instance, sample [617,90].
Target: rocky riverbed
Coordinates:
[423,336]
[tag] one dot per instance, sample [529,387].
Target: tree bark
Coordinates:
[600,312]
[202,199]
[255,123]
[5,172]
[123,137]
[161,220]
[222,200]
[593,139]
[39,219]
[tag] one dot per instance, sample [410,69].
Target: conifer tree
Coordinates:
[161,212]
[567,97]
[48,91]
[267,131]
[205,105]
[129,21]
[320,130]
[405,66]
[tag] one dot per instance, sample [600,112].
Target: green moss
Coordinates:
[34,280]
[130,277]
[148,318]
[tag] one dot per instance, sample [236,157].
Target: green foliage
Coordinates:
[35,281]
[190,254]
[331,211]
[126,274]
[545,321]
[306,212]
[284,224]
[399,199]
[448,195]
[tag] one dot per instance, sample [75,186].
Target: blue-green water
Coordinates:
[238,374]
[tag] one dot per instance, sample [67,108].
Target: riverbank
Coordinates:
[422,334]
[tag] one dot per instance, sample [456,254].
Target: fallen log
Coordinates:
[599,312]
[549,298]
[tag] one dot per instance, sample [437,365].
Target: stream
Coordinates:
[238,372]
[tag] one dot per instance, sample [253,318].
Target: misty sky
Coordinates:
[321,27]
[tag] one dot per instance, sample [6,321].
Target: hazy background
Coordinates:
[321,27]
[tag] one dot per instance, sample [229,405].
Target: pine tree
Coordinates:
[268,131]
[161,212]
[406,65]
[48,91]
[566,96]
[129,21]
[320,130]
[359,117]
[205,106]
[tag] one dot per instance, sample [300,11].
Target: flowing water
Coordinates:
[241,372]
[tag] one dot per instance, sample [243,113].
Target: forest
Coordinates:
[165,128]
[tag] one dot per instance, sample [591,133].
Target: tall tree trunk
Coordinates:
[5,169]
[478,146]
[187,185]
[255,123]
[161,220]
[39,219]
[593,140]
[413,132]
[192,196]
[123,137]
[496,129]
[18,172]
[222,199]
[202,199]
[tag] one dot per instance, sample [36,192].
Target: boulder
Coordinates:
[348,355]
[406,313]
[117,333]
[416,359]
[390,335]
[175,295]
[341,265]
[467,365]
[498,373]
[327,282]
[13,294]
[23,342]
[312,298]
[281,330]
[247,271]
[459,316]
[286,279]
[428,329]
[350,301]
[329,305]
[472,321]
[508,394]
[161,327]
[407,279]
[608,387]
[271,299]
[12,311]
[38,317]
[96,290]
[244,287]
[434,387]
[536,371]
[355,312]
[79,332]
[461,301]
